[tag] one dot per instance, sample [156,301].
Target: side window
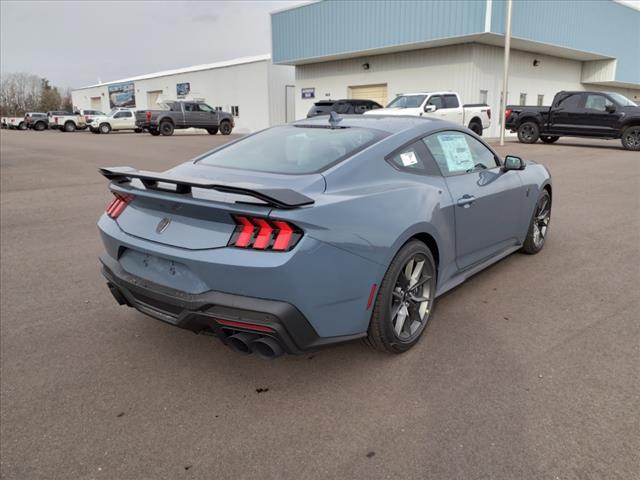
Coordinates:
[410,158]
[190,107]
[437,101]
[597,102]
[127,114]
[451,101]
[570,101]
[119,115]
[457,152]
[204,108]
[361,108]
[340,107]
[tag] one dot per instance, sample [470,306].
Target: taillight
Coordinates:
[148,115]
[117,206]
[507,113]
[264,234]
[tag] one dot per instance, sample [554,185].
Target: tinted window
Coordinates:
[622,100]
[457,152]
[293,149]
[451,101]
[570,101]
[122,114]
[410,158]
[203,107]
[341,107]
[437,101]
[597,102]
[190,107]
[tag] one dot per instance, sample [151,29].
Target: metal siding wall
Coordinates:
[598,26]
[333,26]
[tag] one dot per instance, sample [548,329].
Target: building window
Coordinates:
[540,100]
[218,109]
[523,99]
[484,96]
[235,110]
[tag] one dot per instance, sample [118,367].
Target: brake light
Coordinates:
[117,206]
[507,113]
[148,115]
[264,234]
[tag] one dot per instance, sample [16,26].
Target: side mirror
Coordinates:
[610,108]
[511,162]
[430,108]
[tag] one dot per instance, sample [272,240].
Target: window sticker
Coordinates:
[457,153]
[408,158]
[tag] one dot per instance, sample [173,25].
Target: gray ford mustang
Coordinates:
[318,232]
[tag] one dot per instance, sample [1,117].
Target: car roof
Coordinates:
[388,123]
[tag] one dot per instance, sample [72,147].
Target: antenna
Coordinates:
[334,119]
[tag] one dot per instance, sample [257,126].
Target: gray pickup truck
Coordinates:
[178,115]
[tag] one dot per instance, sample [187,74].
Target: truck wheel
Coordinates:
[105,128]
[528,132]
[22,126]
[549,138]
[476,127]
[69,126]
[154,132]
[212,131]
[137,130]
[225,127]
[39,126]
[631,138]
[166,128]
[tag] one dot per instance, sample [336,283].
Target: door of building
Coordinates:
[96,103]
[377,93]
[152,98]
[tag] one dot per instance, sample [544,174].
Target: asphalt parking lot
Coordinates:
[528,371]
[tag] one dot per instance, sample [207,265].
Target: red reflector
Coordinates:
[507,113]
[264,235]
[247,232]
[371,295]
[284,236]
[148,114]
[248,326]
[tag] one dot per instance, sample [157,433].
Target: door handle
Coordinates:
[466,200]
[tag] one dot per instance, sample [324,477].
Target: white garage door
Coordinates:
[96,103]
[152,98]
[377,93]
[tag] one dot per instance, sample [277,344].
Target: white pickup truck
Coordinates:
[118,119]
[66,121]
[444,105]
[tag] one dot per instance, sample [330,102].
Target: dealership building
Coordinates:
[383,48]
[257,92]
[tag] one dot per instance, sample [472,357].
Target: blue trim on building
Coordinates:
[339,27]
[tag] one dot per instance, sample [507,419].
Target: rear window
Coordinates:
[293,149]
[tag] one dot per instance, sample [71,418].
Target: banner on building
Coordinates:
[122,95]
[183,89]
[308,93]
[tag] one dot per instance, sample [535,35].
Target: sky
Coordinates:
[78,43]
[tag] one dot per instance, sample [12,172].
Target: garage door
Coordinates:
[377,93]
[152,98]
[96,103]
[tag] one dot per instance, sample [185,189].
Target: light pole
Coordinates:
[505,80]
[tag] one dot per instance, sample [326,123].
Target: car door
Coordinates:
[452,110]
[599,115]
[192,115]
[209,115]
[118,120]
[565,116]
[489,201]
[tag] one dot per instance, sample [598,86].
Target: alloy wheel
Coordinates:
[632,138]
[412,298]
[541,221]
[527,132]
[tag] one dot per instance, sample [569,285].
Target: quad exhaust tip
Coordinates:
[246,343]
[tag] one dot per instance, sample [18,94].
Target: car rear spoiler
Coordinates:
[277,197]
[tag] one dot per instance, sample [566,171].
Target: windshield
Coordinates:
[407,101]
[293,149]
[622,100]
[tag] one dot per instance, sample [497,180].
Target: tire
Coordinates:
[212,131]
[549,138]
[528,132]
[137,130]
[39,126]
[631,138]
[69,126]
[22,126]
[154,132]
[104,128]
[393,299]
[166,128]
[539,225]
[476,128]
[225,127]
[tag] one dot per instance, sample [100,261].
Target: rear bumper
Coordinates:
[201,312]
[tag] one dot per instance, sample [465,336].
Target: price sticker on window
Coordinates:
[408,158]
[457,152]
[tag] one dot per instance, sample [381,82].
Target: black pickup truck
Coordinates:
[177,115]
[578,114]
